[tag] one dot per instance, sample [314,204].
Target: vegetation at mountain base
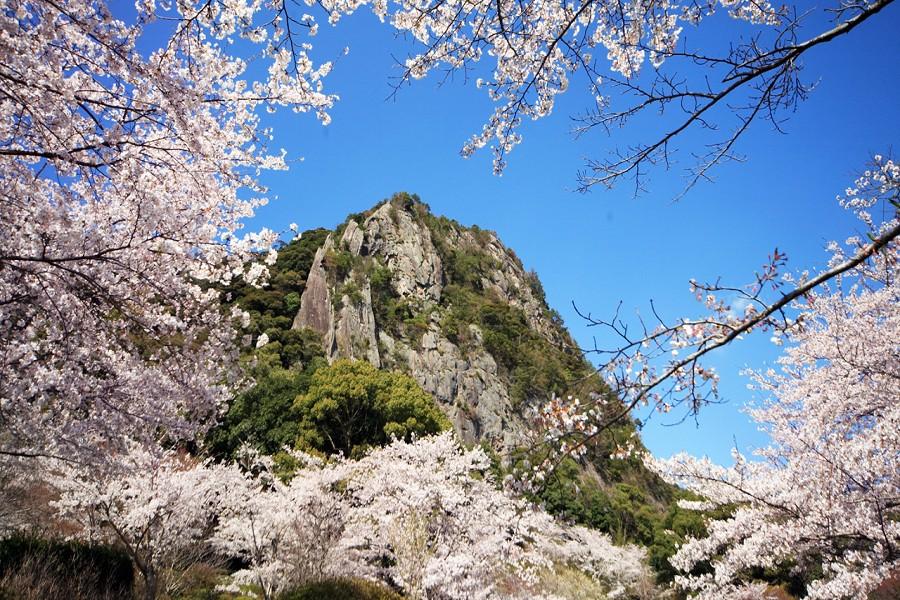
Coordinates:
[265,415]
[33,568]
[346,407]
[351,406]
[341,589]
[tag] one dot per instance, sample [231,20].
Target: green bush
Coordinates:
[351,405]
[199,582]
[292,302]
[265,415]
[466,267]
[342,589]
[353,293]
[298,255]
[339,263]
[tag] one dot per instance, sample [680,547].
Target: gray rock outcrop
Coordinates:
[316,311]
[466,381]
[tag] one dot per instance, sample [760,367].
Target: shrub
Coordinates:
[351,405]
[264,416]
[38,569]
[292,302]
[298,254]
[351,291]
[339,262]
[199,582]
[342,589]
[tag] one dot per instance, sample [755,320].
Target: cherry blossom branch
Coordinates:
[781,60]
[537,48]
[630,368]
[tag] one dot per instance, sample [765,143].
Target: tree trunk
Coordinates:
[150,585]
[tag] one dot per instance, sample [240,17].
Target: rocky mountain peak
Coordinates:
[448,304]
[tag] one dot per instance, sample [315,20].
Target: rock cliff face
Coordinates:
[389,287]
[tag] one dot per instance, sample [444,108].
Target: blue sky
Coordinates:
[603,247]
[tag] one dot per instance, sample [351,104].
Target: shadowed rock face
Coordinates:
[466,381]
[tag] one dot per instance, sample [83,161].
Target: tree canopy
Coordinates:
[351,406]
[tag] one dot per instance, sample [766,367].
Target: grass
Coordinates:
[342,589]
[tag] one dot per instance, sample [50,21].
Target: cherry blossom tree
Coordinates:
[125,176]
[287,533]
[158,506]
[422,516]
[826,491]
[658,367]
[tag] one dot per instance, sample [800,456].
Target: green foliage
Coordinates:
[292,302]
[629,514]
[298,254]
[353,293]
[341,589]
[391,314]
[351,406]
[274,306]
[466,267]
[199,582]
[417,325]
[638,508]
[408,202]
[70,565]
[338,263]
[537,288]
[264,416]
[535,367]
[620,510]
[298,346]
[573,497]
[380,280]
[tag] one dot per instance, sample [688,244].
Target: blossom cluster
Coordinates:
[425,517]
[127,175]
[825,489]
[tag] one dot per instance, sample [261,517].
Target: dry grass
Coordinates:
[42,578]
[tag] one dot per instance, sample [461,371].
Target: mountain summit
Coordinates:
[447,304]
